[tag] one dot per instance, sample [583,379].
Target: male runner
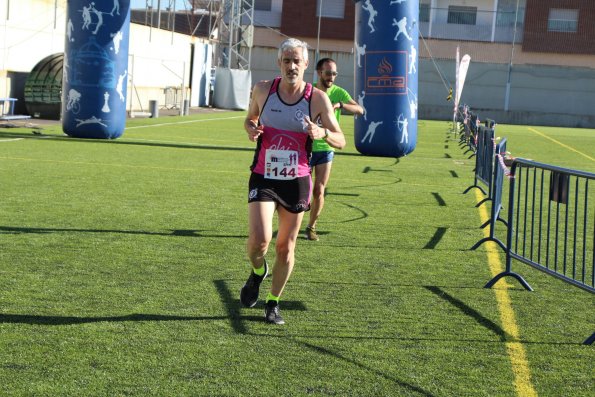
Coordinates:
[322,152]
[279,120]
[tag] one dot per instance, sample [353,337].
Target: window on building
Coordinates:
[262,5]
[331,9]
[462,15]
[424,12]
[562,20]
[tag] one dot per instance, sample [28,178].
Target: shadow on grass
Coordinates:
[440,232]
[123,141]
[410,387]
[439,199]
[179,232]
[397,180]
[73,320]
[474,314]
[363,213]
[233,306]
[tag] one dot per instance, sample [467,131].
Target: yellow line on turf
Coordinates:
[560,143]
[514,348]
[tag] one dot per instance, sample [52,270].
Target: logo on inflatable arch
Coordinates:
[386,72]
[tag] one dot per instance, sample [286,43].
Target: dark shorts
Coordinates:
[293,195]
[321,158]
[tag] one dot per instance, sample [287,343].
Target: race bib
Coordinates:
[281,164]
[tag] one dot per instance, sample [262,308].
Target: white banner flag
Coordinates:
[461,75]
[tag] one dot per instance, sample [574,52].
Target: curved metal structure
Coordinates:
[43,88]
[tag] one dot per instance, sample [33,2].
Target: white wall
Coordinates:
[29,31]
[157,59]
[34,29]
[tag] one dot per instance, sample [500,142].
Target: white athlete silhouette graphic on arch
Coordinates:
[413,109]
[413,60]
[402,124]
[402,28]
[360,51]
[116,8]
[69,30]
[73,101]
[87,17]
[371,131]
[117,38]
[120,86]
[91,120]
[105,108]
[360,101]
[370,8]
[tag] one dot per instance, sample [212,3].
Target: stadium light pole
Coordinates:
[317,41]
[507,95]
[158,14]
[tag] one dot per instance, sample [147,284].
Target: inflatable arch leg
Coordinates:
[95,68]
[386,40]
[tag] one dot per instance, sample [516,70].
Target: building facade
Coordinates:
[532,61]
[520,52]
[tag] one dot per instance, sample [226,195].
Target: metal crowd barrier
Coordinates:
[469,137]
[551,215]
[484,162]
[496,191]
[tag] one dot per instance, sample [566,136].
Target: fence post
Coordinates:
[508,271]
[496,192]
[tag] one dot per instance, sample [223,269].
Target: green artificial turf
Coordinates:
[121,263]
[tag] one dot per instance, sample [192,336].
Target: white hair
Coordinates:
[291,44]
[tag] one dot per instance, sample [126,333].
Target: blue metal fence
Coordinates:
[496,196]
[469,137]
[551,215]
[484,162]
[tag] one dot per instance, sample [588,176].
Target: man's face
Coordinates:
[293,65]
[327,74]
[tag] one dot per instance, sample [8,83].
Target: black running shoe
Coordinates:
[249,292]
[271,313]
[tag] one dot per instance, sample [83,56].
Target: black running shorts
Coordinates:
[293,195]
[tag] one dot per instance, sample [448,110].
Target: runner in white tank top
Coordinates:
[280,121]
[284,148]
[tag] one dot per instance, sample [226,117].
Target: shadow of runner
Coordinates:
[233,306]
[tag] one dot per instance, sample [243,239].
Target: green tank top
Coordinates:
[336,94]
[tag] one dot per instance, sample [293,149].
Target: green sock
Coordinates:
[271,297]
[260,271]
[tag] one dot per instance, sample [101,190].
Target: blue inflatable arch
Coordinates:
[386,40]
[95,68]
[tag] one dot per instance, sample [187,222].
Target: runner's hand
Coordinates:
[313,129]
[254,130]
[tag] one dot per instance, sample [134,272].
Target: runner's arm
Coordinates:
[251,122]
[333,135]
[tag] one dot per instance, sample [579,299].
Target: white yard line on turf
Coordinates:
[184,122]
